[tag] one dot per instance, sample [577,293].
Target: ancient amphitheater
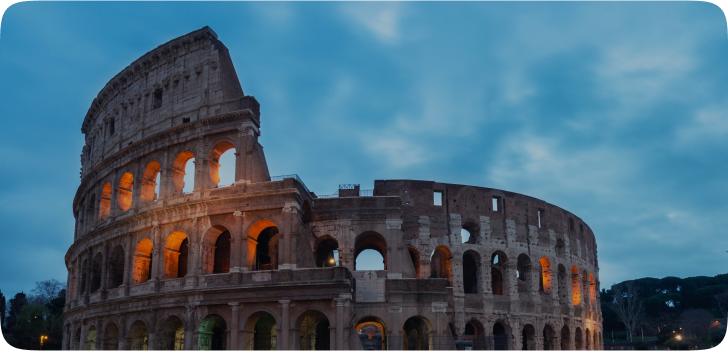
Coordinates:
[265,263]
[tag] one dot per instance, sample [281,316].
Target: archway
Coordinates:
[216,250]
[587,335]
[260,332]
[111,337]
[469,233]
[142,262]
[138,336]
[372,332]
[471,272]
[116,268]
[327,251]
[500,337]
[565,338]
[149,183]
[182,172]
[172,334]
[370,241]
[315,332]
[90,210]
[105,202]
[124,191]
[497,270]
[523,273]
[473,336]
[549,338]
[212,333]
[176,253]
[575,286]
[84,266]
[592,291]
[77,340]
[528,337]
[96,272]
[222,164]
[578,341]
[415,258]
[441,264]
[545,280]
[416,334]
[91,338]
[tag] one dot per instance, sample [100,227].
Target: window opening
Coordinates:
[185,120]
[112,127]
[540,215]
[571,224]
[189,178]
[157,99]
[464,235]
[495,203]
[437,198]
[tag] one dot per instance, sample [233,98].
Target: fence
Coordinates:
[295,176]
[483,342]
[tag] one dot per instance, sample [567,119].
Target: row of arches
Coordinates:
[221,167]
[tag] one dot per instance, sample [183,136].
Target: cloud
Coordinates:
[708,124]
[398,151]
[381,19]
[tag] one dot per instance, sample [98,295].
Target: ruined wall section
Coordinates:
[182,81]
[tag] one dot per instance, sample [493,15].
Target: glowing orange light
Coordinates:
[679,337]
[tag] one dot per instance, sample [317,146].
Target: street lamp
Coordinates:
[42,339]
[678,341]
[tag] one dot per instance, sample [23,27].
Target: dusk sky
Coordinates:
[617,112]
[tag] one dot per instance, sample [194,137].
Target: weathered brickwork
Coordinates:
[266,264]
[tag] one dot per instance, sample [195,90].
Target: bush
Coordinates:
[716,336]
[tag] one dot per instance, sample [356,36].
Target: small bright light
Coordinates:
[332,261]
[679,337]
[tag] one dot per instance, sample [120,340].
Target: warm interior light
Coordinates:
[679,337]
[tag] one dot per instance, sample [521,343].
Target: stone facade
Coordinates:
[264,263]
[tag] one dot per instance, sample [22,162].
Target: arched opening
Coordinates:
[473,336]
[149,183]
[592,291]
[587,335]
[96,272]
[183,173]
[327,252]
[500,337]
[471,272]
[549,338]
[523,273]
[116,268]
[560,248]
[84,267]
[138,336]
[263,327]
[105,202]
[216,250]
[142,270]
[212,333]
[176,255]
[497,270]
[441,264]
[565,338]
[91,338]
[416,334]
[222,164]
[578,342]
[563,286]
[172,334]
[124,191]
[415,258]
[90,212]
[469,233]
[373,243]
[528,337]
[372,333]
[263,240]
[545,279]
[111,337]
[315,333]
[575,286]
[77,340]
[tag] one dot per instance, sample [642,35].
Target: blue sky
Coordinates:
[615,111]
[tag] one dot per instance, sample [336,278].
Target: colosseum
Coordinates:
[264,263]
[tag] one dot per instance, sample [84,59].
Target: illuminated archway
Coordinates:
[176,254]
[441,264]
[260,332]
[149,183]
[326,253]
[124,191]
[212,333]
[370,241]
[214,163]
[315,331]
[575,286]
[172,334]
[105,202]
[142,270]
[416,334]
[263,241]
[216,250]
[138,336]
[91,338]
[372,333]
[180,169]
[545,278]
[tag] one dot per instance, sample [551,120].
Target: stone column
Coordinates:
[284,243]
[114,205]
[339,323]
[234,328]
[104,270]
[285,325]
[136,187]
[87,271]
[69,288]
[237,238]
[128,264]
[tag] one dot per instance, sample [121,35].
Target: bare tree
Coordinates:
[628,306]
[45,291]
[696,320]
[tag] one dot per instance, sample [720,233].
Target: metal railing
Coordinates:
[369,192]
[348,186]
[445,342]
[277,178]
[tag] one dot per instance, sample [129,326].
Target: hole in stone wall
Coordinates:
[437,198]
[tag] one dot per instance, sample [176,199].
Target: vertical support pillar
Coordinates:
[104,270]
[285,325]
[234,327]
[129,256]
[339,323]
[238,240]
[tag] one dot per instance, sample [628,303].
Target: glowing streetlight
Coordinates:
[42,339]
[679,337]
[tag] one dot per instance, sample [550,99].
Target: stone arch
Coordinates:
[263,240]
[216,244]
[142,270]
[179,166]
[171,334]
[587,335]
[77,339]
[563,282]
[370,240]
[176,255]
[149,182]
[575,286]
[91,209]
[523,273]
[372,332]
[565,338]
[91,336]
[260,329]
[84,276]
[138,335]
[578,339]
[314,326]
[475,334]
[528,337]
[326,246]
[414,255]
[549,338]
[105,202]
[416,333]
[472,229]
[96,266]
[501,331]
[497,272]
[218,149]
[212,332]
[472,272]
[111,336]
[115,268]
[592,291]
[545,282]
[441,264]
[124,191]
